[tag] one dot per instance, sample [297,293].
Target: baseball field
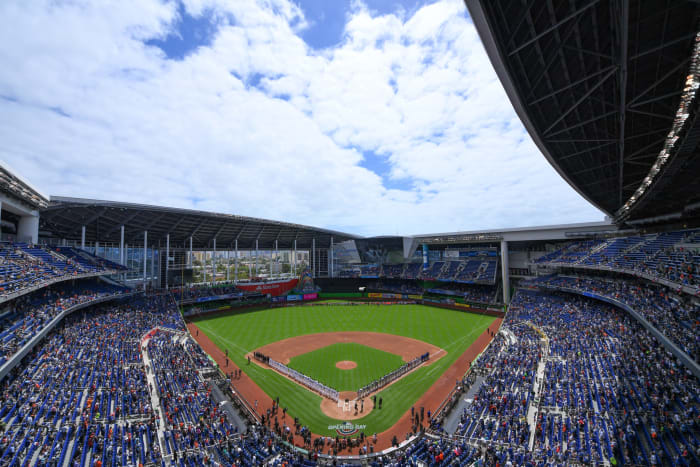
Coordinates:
[447,332]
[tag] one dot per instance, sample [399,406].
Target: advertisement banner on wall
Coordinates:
[310,296]
[415,297]
[375,295]
[272,288]
[392,295]
[217,297]
[294,298]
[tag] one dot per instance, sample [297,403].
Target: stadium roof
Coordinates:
[64,218]
[541,232]
[15,186]
[607,90]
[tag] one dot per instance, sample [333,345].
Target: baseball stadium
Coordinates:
[133,333]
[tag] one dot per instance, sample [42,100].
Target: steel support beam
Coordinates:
[552,28]
[587,150]
[235,263]
[583,123]
[578,102]
[505,273]
[121,246]
[623,32]
[167,258]
[213,264]
[663,45]
[90,220]
[660,80]
[569,86]
[145,256]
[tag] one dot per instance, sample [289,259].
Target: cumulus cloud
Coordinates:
[258,123]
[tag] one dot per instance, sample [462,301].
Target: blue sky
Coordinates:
[374,117]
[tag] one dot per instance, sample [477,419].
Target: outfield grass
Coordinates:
[372,364]
[331,301]
[241,332]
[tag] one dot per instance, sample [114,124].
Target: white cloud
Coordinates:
[419,91]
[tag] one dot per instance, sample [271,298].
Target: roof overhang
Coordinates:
[64,217]
[599,86]
[17,187]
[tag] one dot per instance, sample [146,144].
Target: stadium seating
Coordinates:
[569,380]
[468,271]
[412,270]
[82,398]
[87,260]
[470,292]
[29,314]
[369,270]
[598,389]
[24,266]
[661,255]
[393,271]
[194,292]
[677,319]
[433,271]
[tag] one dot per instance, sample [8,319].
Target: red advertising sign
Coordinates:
[272,288]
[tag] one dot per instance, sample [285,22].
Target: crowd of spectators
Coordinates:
[470,292]
[673,256]
[628,397]
[677,317]
[498,413]
[608,393]
[569,380]
[82,397]
[24,265]
[197,427]
[471,270]
[29,314]
[82,394]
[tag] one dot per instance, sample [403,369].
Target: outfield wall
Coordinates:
[340,295]
[464,307]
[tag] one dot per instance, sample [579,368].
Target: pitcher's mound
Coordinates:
[346,365]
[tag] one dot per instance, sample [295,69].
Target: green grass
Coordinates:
[332,301]
[241,332]
[371,364]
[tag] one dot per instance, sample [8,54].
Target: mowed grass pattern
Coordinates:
[371,364]
[241,332]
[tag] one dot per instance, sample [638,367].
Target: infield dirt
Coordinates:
[431,399]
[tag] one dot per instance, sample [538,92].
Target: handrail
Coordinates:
[15,359]
[632,272]
[685,359]
[51,281]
